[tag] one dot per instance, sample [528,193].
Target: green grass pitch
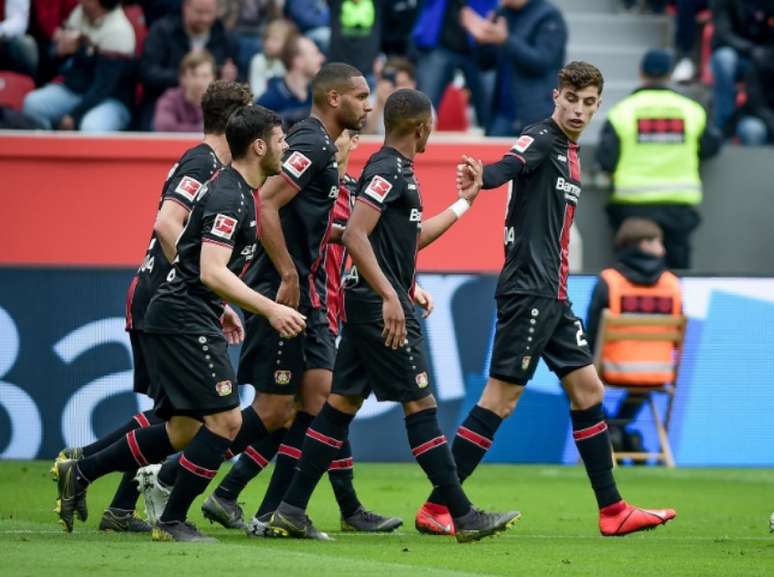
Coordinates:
[721,529]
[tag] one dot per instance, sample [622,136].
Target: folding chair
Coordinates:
[644,328]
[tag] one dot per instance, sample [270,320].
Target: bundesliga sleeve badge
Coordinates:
[188,187]
[296,164]
[378,189]
[224,226]
[523,143]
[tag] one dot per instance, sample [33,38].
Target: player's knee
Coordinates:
[500,397]
[181,430]
[312,402]
[225,424]
[345,404]
[422,404]
[274,410]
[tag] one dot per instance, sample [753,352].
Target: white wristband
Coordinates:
[460,207]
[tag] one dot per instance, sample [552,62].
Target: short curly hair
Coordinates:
[579,75]
[220,100]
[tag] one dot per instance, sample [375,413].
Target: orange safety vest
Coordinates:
[646,363]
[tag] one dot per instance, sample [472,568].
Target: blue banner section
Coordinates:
[65,370]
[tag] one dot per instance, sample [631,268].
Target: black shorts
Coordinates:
[193,374]
[530,327]
[275,365]
[364,364]
[320,342]
[142,380]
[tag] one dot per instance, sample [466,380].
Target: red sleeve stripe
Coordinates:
[178,201]
[192,467]
[219,243]
[289,451]
[257,458]
[229,454]
[428,446]
[369,203]
[475,438]
[588,432]
[290,180]
[519,156]
[340,464]
[134,447]
[318,436]
[142,420]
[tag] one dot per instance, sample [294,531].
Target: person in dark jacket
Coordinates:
[743,35]
[640,259]
[97,42]
[174,36]
[530,37]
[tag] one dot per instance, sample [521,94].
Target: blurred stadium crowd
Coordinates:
[487,65]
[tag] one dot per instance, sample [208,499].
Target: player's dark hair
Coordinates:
[220,100]
[109,4]
[404,109]
[246,125]
[332,76]
[634,230]
[579,75]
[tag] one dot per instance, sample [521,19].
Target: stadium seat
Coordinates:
[452,112]
[639,327]
[13,88]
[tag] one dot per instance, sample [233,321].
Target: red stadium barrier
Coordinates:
[77,200]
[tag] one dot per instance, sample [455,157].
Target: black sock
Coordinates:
[431,451]
[139,421]
[324,439]
[127,493]
[473,440]
[168,472]
[136,449]
[251,431]
[590,432]
[198,465]
[250,463]
[341,475]
[288,454]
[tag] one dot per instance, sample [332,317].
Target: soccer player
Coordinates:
[186,348]
[195,167]
[534,317]
[222,506]
[381,344]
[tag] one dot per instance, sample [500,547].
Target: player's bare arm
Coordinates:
[233,329]
[424,299]
[363,220]
[170,221]
[335,234]
[275,194]
[216,276]
[434,227]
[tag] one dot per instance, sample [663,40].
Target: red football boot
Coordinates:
[622,518]
[433,519]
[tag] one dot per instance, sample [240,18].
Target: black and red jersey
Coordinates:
[329,276]
[545,185]
[389,185]
[310,166]
[224,215]
[182,184]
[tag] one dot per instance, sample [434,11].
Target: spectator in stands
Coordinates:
[396,73]
[756,117]
[247,21]
[157,9]
[291,95]
[530,37]
[743,31]
[171,38]
[313,18]
[47,16]
[18,51]
[98,43]
[445,48]
[637,283]
[356,33]
[180,109]
[268,64]
[398,19]
[685,38]
[652,143]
